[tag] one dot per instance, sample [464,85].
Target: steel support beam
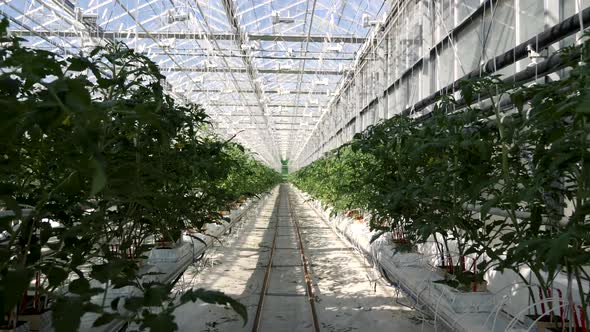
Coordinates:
[245,70]
[231,16]
[192,35]
[259,54]
[267,105]
[320,93]
[279,129]
[300,78]
[271,115]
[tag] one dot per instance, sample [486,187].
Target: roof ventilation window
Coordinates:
[335,48]
[89,20]
[320,82]
[176,16]
[367,22]
[68,4]
[277,19]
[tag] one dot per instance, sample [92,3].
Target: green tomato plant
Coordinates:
[522,166]
[105,162]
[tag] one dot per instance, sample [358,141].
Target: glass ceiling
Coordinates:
[264,70]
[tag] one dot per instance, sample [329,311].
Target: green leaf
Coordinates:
[7,188]
[518,100]
[99,180]
[78,64]
[10,86]
[163,321]
[12,286]
[115,303]
[79,286]
[155,295]
[470,250]
[467,93]
[104,319]
[584,104]
[215,297]
[4,25]
[46,232]
[481,266]
[133,303]
[56,275]
[101,272]
[487,205]
[66,314]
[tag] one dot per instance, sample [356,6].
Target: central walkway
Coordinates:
[345,295]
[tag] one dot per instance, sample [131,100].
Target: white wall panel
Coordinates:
[414,55]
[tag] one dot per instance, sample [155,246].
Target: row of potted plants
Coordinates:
[494,185]
[94,145]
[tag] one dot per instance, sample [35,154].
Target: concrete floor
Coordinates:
[349,295]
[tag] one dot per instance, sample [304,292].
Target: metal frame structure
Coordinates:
[425,46]
[265,71]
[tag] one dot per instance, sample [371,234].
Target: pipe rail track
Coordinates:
[265,282]
[284,190]
[305,262]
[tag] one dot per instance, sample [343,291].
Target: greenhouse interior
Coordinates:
[303,165]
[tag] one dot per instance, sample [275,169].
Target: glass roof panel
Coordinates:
[263,69]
